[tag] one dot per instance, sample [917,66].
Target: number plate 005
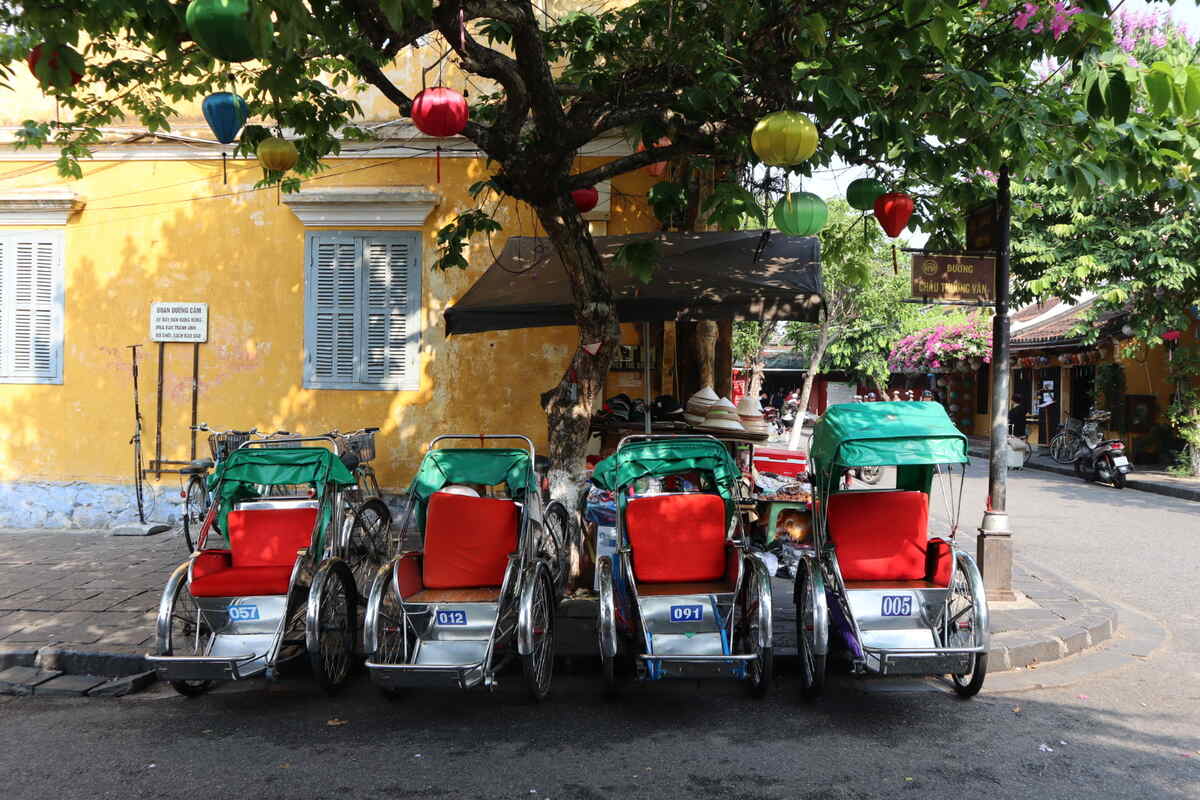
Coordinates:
[896,605]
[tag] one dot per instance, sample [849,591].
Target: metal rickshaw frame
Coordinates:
[286,626]
[905,435]
[747,605]
[502,627]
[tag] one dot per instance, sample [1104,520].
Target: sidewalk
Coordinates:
[1153,481]
[84,603]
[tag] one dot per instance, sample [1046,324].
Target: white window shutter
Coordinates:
[31,307]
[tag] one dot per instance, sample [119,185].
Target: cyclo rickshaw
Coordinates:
[875,590]
[281,580]
[485,586]
[682,590]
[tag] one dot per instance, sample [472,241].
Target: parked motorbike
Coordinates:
[1100,459]
[773,419]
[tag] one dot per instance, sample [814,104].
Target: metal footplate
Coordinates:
[920,663]
[208,668]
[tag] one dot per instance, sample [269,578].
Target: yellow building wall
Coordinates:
[173,231]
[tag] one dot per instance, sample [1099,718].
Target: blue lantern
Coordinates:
[226,113]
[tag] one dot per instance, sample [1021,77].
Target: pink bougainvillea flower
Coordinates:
[1021,21]
[1062,19]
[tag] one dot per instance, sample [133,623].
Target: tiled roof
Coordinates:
[1035,309]
[1058,330]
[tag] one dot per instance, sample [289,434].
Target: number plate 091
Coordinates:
[687,613]
[896,605]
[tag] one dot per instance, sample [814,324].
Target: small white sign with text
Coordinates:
[179,322]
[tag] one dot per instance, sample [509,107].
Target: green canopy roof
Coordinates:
[279,466]
[662,457]
[485,465]
[885,434]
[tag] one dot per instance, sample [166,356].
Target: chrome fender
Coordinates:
[820,604]
[606,623]
[966,563]
[167,604]
[379,585]
[530,576]
[312,614]
[758,598]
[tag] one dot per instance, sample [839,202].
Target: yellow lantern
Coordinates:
[277,153]
[784,138]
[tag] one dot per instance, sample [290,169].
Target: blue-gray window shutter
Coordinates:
[31,307]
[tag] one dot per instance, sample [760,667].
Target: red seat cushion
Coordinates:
[939,562]
[240,581]
[880,536]
[677,537]
[467,541]
[269,537]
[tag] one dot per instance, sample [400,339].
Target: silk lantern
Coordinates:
[784,138]
[893,210]
[223,28]
[439,112]
[225,113]
[277,154]
[658,168]
[862,192]
[585,199]
[35,58]
[800,214]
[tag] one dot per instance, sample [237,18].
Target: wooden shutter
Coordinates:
[31,307]
[389,334]
[333,298]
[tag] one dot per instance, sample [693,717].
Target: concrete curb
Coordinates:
[56,671]
[1132,482]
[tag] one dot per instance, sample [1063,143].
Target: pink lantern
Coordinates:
[440,112]
[585,199]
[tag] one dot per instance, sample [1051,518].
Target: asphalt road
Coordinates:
[1123,721]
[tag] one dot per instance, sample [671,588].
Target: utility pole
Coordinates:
[994,546]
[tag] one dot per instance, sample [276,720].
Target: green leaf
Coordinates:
[914,11]
[639,258]
[667,199]
[1192,92]
[260,23]
[937,33]
[817,26]
[394,11]
[1118,97]
[1095,101]
[1158,87]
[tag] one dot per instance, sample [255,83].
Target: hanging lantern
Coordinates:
[585,199]
[439,112]
[226,113]
[277,154]
[658,168]
[893,210]
[223,28]
[53,64]
[800,214]
[861,193]
[784,138]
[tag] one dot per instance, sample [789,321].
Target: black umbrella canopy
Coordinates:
[698,276]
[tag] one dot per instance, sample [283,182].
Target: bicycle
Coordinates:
[197,499]
[1064,445]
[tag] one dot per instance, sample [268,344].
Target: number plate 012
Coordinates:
[452,617]
[896,605]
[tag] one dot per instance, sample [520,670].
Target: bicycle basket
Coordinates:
[362,445]
[278,440]
[1074,425]
[222,444]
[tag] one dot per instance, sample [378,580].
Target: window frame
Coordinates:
[58,312]
[411,381]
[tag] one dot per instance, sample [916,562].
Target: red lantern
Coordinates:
[35,55]
[440,112]
[893,210]
[585,199]
[658,168]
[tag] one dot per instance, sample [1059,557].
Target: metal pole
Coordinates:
[195,391]
[158,423]
[994,546]
[646,390]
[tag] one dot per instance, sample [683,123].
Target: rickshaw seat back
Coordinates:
[677,538]
[269,537]
[467,541]
[880,536]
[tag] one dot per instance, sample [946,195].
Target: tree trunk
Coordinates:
[706,349]
[568,405]
[814,369]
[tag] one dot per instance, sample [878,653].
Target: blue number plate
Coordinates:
[687,613]
[452,617]
[897,605]
[243,613]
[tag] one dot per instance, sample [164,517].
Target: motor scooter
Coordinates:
[1100,459]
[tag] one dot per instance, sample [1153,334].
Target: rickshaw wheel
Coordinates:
[188,636]
[558,533]
[812,665]
[968,685]
[393,640]
[367,544]
[329,624]
[194,511]
[538,665]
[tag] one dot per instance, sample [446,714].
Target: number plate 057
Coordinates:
[897,605]
[243,613]
[687,613]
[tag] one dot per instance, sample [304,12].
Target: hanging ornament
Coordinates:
[861,193]
[784,138]
[225,29]
[60,60]
[658,168]
[585,199]
[800,214]
[277,153]
[439,112]
[225,113]
[893,210]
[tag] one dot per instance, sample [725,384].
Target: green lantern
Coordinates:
[800,214]
[226,29]
[861,193]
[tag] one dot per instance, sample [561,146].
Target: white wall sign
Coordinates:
[179,322]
